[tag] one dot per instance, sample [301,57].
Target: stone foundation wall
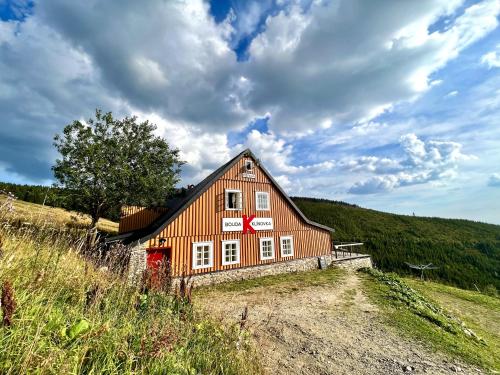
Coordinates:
[353,263]
[137,266]
[297,265]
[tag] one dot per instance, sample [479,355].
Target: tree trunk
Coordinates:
[92,233]
[95,215]
[95,219]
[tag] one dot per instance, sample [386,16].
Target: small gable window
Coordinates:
[262,200]
[248,166]
[234,200]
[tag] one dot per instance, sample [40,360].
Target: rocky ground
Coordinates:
[326,330]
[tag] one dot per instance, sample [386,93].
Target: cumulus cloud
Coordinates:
[372,164]
[170,57]
[494,180]
[167,59]
[423,162]
[349,61]
[318,67]
[201,151]
[45,83]
[375,184]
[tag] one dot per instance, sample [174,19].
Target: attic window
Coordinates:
[234,200]
[248,166]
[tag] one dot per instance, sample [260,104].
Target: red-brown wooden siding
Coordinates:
[202,221]
[135,217]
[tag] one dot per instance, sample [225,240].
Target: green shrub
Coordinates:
[490,290]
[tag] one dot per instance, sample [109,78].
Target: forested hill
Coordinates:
[466,252]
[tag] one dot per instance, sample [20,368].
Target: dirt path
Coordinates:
[326,330]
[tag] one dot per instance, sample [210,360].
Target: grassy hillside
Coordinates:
[60,314]
[20,212]
[461,323]
[479,312]
[466,252]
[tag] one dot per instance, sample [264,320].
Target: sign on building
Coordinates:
[247,224]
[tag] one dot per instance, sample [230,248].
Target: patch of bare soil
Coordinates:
[326,330]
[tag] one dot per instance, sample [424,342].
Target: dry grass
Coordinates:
[58,217]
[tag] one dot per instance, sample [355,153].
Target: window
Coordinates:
[234,200]
[266,248]
[248,166]
[286,243]
[230,252]
[203,254]
[262,201]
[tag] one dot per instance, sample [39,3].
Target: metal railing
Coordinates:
[345,249]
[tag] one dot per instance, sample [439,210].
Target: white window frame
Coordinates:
[291,246]
[257,208]
[226,199]
[211,257]
[223,251]
[261,240]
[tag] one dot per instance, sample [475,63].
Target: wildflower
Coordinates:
[8,303]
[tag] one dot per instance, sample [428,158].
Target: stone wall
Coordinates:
[296,265]
[354,263]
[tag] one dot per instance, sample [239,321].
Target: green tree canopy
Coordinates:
[106,163]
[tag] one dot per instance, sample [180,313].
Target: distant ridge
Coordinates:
[466,252]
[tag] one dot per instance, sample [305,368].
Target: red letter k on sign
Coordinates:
[246,224]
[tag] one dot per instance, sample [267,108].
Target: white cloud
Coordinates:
[451,94]
[351,61]
[201,151]
[492,59]
[285,183]
[376,184]
[372,164]
[423,162]
[167,57]
[245,17]
[330,69]
[276,154]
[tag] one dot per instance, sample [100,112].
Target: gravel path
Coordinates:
[326,330]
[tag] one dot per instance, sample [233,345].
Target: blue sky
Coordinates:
[389,105]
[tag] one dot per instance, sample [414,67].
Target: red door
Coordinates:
[158,264]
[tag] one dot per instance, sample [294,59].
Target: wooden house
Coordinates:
[238,218]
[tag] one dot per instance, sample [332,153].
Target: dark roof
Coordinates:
[177,205]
